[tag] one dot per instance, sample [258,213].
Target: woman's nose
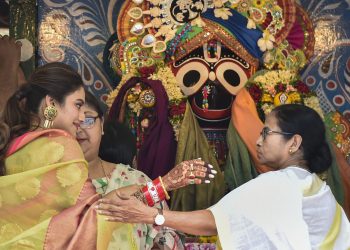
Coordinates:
[81,116]
[259,141]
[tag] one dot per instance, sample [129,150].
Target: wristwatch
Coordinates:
[159,219]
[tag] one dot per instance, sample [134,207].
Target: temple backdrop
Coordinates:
[76,33]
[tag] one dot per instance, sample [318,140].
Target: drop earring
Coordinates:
[50,114]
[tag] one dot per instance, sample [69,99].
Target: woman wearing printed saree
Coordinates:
[289,208]
[118,147]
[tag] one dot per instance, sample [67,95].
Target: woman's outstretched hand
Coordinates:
[188,172]
[125,208]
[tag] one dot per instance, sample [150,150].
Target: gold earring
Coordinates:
[290,151]
[50,114]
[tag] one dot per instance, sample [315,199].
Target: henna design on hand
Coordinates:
[189,172]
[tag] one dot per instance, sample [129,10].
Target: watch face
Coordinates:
[159,220]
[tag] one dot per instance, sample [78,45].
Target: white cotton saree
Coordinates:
[285,209]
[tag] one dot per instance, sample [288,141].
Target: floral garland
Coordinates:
[276,87]
[177,100]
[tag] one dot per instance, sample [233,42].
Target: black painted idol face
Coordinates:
[211,76]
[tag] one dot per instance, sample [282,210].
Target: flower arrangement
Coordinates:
[339,132]
[177,100]
[276,87]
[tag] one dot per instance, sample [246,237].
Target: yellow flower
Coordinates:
[132,98]
[312,102]
[28,188]
[336,118]
[9,231]
[222,13]
[295,97]
[266,42]
[339,138]
[266,98]
[267,108]
[69,175]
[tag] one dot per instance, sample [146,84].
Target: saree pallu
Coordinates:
[46,198]
[285,209]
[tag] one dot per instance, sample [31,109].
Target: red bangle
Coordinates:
[159,188]
[152,190]
[148,196]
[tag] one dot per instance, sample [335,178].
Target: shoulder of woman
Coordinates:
[72,149]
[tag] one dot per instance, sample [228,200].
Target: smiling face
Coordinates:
[89,136]
[274,149]
[70,113]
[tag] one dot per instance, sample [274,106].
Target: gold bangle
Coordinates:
[166,192]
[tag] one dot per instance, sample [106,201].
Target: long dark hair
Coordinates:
[56,80]
[306,122]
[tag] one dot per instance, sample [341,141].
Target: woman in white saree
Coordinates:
[290,208]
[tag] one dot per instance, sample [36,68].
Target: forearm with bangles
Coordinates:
[152,193]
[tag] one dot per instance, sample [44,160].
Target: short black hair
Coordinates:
[118,144]
[92,102]
[306,122]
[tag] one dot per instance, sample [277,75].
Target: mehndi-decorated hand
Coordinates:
[188,172]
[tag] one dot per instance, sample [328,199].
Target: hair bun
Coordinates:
[322,158]
[23,91]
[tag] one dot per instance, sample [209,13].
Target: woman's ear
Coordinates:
[49,101]
[296,142]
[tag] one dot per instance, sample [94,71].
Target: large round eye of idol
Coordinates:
[231,76]
[191,75]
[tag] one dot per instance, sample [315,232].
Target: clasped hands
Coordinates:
[125,208]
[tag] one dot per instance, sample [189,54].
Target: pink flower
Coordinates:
[179,109]
[302,87]
[255,93]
